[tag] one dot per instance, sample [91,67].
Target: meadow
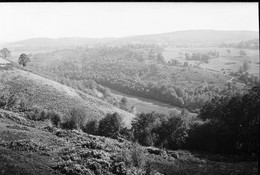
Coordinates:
[227,62]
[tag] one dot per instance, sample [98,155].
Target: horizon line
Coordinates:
[126,36]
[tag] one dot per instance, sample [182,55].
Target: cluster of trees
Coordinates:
[228,125]
[232,122]
[244,77]
[249,44]
[201,56]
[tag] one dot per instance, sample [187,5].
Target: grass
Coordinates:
[218,63]
[50,95]
[146,105]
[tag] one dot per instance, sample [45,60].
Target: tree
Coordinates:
[228,51]
[173,133]
[185,64]
[187,56]
[5,52]
[242,53]
[245,66]
[175,62]
[110,126]
[124,100]
[205,58]
[91,127]
[160,58]
[24,59]
[77,119]
[90,84]
[143,126]
[123,103]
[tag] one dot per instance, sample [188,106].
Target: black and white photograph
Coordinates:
[129,88]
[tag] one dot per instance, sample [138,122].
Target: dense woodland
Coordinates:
[135,69]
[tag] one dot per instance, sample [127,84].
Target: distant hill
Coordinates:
[204,37]
[194,36]
[48,44]
[51,95]
[41,42]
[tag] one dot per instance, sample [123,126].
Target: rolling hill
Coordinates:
[204,37]
[50,95]
[194,36]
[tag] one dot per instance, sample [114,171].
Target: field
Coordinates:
[146,105]
[226,62]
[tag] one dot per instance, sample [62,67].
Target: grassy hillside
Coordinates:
[29,147]
[50,95]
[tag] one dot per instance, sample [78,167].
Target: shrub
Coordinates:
[37,114]
[91,127]
[77,118]
[173,133]
[137,156]
[127,134]
[110,126]
[68,123]
[54,117]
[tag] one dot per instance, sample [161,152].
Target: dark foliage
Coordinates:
[110,126]
[233,121]
[91,127]
[24,59]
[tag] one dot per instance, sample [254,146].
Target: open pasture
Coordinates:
[227,61]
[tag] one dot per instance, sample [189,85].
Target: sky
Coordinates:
[96,20]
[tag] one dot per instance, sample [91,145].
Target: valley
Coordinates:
[146,105]
[154,104]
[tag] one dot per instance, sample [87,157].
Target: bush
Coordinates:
[68,123]
[77,118]
[54,117]
[91,127]
[110,126]
[137,156]
[37,114]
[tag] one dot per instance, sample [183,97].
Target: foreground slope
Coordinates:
[30,147]
[48,94]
